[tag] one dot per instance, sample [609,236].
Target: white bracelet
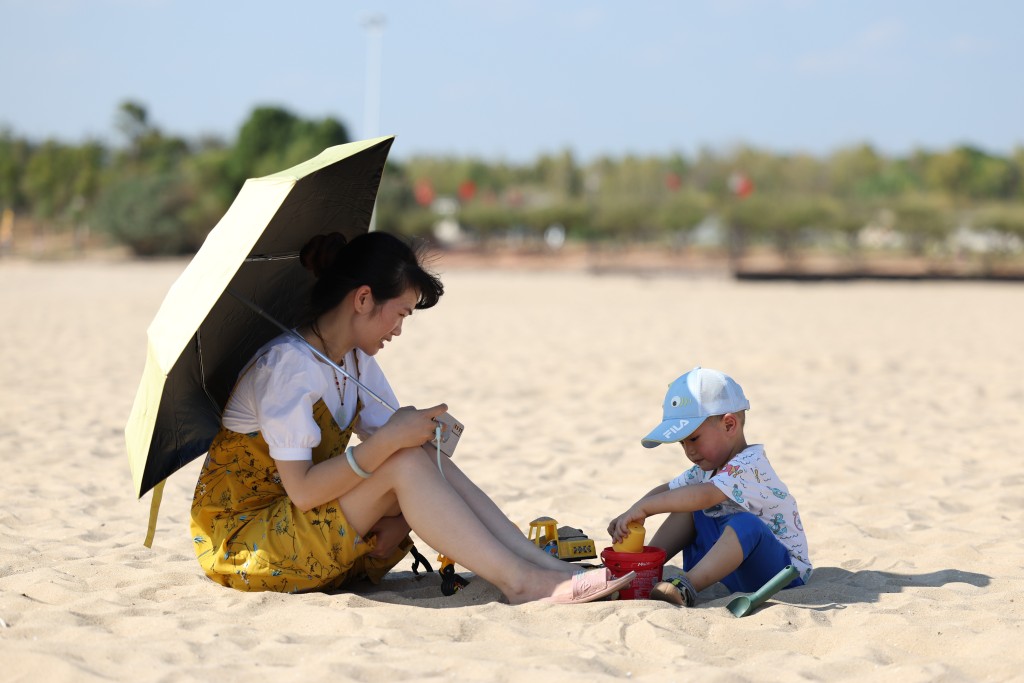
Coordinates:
[354,465]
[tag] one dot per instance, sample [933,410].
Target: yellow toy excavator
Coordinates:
[565,543]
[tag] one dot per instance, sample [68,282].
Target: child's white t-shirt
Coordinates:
[751,485]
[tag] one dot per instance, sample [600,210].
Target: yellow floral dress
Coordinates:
[248,535]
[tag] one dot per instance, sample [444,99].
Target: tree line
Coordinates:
[161,194]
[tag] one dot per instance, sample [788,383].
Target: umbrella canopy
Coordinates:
[202,336]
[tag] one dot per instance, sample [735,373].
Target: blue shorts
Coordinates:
[764,556]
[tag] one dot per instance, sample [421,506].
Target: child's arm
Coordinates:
[662,499]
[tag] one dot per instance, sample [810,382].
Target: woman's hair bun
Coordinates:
[320,253]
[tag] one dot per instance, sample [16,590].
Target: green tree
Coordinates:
[779,221]
[766,170]
[14,156]
[204,192]
[1006,219]
[89,162]
[794,217]
[262,141]
[132,121]
[416,222]
[273,138]
[635,179]
[710,174]
[622,218]
[560,175]
[395,201]
[147,149]
[992,178]
[924,221]
[847,219]
[574,216]
[856,172]
[48,182]
[489,219]
[146,214]
[1017,160]
[749,220]
[968,172]
[682,212]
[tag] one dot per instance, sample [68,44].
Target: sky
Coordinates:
[510,80]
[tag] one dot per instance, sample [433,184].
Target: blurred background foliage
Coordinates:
[158,194]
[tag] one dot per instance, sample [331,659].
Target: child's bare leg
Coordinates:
[497,523]
[724,557]
[442,518]
[675,533]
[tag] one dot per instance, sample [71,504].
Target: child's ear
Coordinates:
[730,422]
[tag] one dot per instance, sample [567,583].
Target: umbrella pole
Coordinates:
[154,510]
[322,356]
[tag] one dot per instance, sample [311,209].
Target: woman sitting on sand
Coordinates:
[284,504]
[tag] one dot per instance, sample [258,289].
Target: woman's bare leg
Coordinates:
[497,522]
[443,519]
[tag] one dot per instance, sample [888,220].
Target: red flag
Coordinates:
[467,190]
[740,184]
[424,192]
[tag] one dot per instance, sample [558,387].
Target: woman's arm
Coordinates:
[310,485]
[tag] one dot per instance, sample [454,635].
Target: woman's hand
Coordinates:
[409,427]
[390,531]
[617,528]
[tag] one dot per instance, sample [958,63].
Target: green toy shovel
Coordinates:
[745,604]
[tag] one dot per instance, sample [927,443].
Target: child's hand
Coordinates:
[617,528]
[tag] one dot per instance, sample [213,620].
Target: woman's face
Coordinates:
[384,321]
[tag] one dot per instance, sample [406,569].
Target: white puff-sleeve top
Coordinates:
[276,392]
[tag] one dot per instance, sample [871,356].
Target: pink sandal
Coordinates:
[588,586]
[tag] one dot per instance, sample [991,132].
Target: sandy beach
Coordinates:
[892,410]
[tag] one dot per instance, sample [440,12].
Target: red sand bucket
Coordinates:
[646,564]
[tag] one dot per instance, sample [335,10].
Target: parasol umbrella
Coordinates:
[205,330]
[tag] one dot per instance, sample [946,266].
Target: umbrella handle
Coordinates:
[316,351]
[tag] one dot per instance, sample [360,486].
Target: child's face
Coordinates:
[711,446]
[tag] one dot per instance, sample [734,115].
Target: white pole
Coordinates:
[371,107]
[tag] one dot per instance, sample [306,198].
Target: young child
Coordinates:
[730,514]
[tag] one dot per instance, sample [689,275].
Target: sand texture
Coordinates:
[892,410]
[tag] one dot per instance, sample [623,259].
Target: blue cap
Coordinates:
[693,398]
